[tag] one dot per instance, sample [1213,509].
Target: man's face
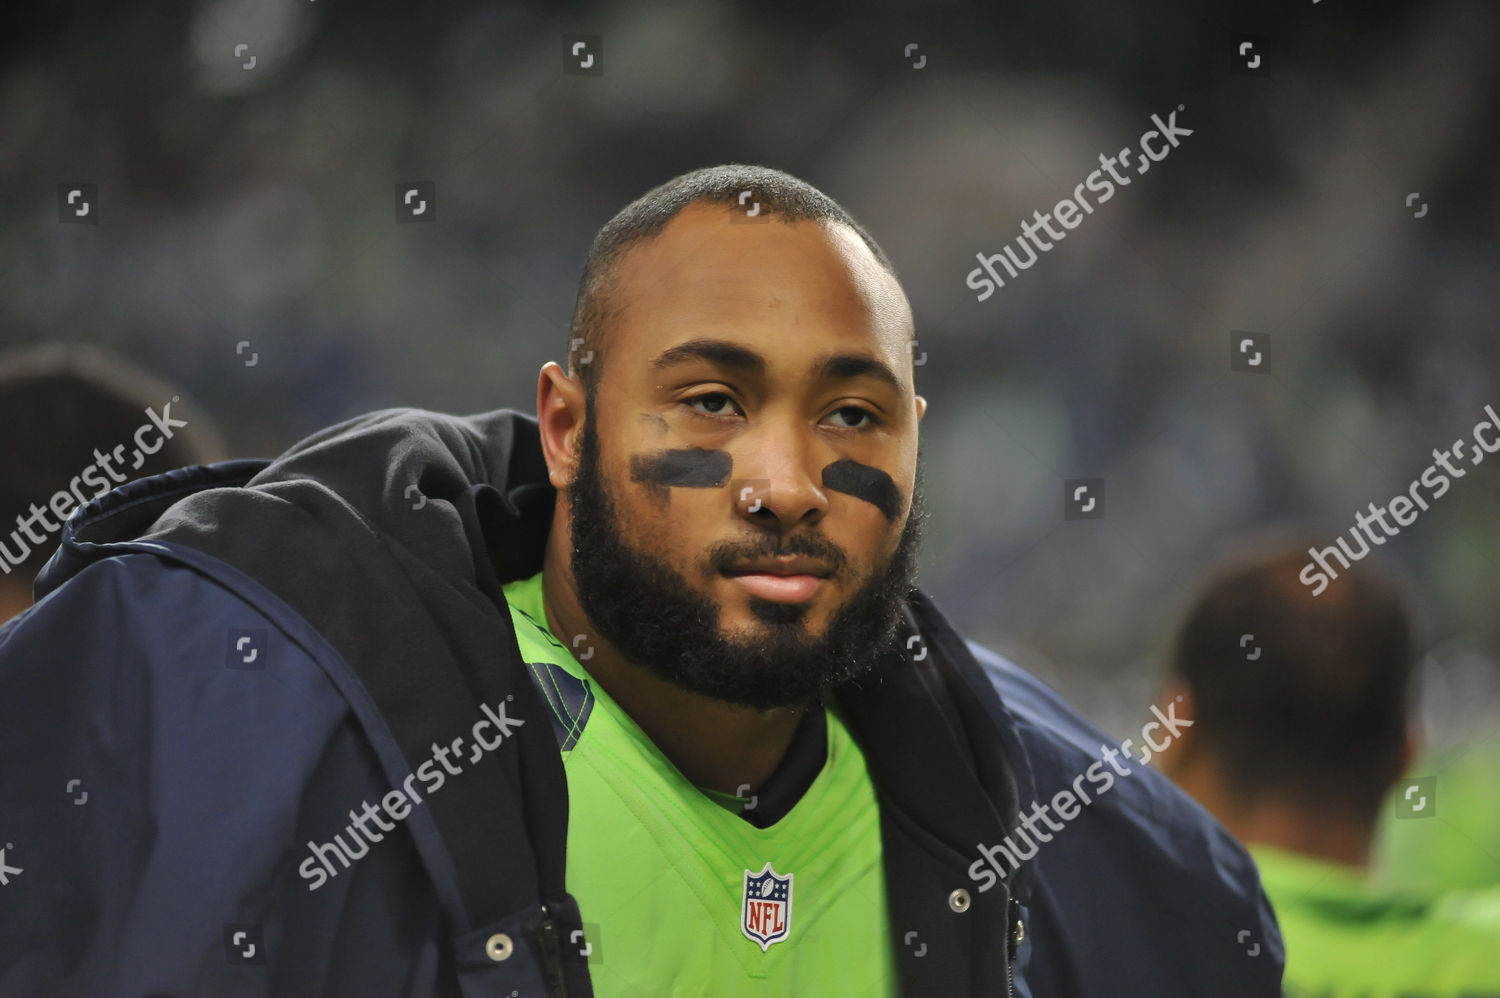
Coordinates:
[721,440]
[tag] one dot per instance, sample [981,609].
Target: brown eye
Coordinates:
[870,419]
[713,409]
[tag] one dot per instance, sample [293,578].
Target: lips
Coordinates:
[781,580]
[780,588]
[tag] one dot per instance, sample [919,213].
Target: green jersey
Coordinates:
[1346,939]
[679,893]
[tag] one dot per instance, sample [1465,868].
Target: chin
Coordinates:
[751,615]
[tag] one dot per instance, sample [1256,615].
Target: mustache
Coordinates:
[727,553]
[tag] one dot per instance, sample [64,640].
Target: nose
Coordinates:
[781,488]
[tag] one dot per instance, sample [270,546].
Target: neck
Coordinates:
[1282,824]
[15,597]
[717,745]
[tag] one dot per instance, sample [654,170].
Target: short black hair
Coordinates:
[779,194]
[61,401]
[1313,707]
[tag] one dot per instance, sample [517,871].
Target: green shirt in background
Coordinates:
[1347,939]
[659,866]
[1459,846]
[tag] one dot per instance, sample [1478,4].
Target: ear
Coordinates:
[921,408]
[560,411]
[1176,693]
[1411,747]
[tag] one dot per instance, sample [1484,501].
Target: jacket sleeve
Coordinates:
[167,755]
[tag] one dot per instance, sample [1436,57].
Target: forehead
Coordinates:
[783,289]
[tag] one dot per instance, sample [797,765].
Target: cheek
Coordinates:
[868,547]
[673,526]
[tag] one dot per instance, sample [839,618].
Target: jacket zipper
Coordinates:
[557,986]
[1013,945]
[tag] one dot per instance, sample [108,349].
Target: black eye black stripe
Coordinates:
[698,468]
[693,468]
[864,482]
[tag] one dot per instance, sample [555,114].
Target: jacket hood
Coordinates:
[398,473]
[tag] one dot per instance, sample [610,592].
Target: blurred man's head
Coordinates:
[62,406]
[1302,705]
[742,390]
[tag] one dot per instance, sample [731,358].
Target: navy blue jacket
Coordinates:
[226,660]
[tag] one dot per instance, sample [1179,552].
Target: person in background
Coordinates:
[75,421]
[1303,722]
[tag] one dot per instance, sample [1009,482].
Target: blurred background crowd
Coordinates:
[1337,195]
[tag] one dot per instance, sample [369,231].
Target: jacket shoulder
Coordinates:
[1141,884]
[1061,743]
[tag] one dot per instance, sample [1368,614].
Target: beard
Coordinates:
[660,623]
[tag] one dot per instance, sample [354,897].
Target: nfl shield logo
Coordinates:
[766,909]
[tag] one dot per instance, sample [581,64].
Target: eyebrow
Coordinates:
[832,367]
